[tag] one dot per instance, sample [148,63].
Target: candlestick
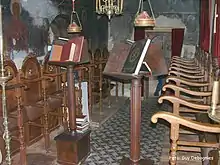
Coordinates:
[3,81]
[1,43]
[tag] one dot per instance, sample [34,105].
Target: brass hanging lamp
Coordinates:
[142,18]
[75,25]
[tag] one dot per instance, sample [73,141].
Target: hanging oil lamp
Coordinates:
[75,25]
[142,17]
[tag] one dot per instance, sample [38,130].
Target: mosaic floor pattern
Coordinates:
[112,141]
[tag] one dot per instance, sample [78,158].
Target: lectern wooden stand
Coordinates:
[72,147]
[135,113]
[123,67]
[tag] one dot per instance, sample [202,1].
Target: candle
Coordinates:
[1,43]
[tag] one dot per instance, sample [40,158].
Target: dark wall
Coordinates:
[94,28]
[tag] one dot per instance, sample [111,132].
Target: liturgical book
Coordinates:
[129,62]
[67,50]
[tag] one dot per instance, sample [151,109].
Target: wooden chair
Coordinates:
[97,78]
[15,113]
[176,120]
[188,86]
[36,109]
[55,94]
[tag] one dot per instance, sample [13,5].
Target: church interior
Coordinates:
[109,82]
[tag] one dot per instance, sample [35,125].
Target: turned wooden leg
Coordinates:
[116,91]
[174,136]
[65,121]
[123,89]
[90,91]
[46,132]
[23,159]
[109,93]
[100,89]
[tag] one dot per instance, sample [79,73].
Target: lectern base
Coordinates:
[127,161]
[72,149]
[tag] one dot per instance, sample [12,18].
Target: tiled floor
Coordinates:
[110,142]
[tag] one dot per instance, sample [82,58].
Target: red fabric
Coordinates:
[204,25]
[177,41]
[139,33]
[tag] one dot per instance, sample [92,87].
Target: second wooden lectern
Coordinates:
[133,66]
[72,147]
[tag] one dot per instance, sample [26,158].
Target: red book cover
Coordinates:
[66,51]
[79,41]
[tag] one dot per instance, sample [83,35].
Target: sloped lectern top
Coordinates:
[131,61]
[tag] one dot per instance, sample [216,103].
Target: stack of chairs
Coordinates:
[191,90]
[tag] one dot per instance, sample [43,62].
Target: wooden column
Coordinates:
[135,119]
[134,159]
[72,147]
[71,98]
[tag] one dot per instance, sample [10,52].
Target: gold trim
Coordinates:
[144,22]
[75,29]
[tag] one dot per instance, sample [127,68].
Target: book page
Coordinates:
[72,52]
[143,54]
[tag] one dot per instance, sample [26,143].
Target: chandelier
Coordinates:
[109,7]
[142,17]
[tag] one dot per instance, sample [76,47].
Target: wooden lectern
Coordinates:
[123,67]
[72,147]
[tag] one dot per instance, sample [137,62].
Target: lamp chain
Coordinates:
[151,9]
[73,5]
[141,7]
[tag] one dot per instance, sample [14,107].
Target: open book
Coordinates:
[67,50]
[136,56]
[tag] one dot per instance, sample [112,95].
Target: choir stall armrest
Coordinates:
[174,99]
[175,119]
[187,91]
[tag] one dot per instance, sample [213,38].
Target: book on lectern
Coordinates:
[69,50]
[135,59]
[128,60]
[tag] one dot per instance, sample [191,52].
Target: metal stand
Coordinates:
[6,134]
[135,126]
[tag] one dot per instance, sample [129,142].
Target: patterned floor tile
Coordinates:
[112,141]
